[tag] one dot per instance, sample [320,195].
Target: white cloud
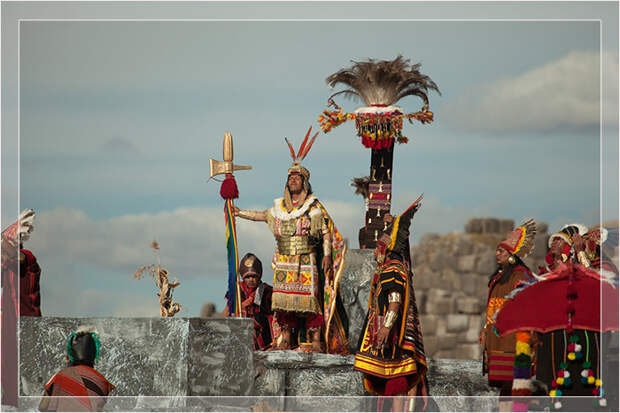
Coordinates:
[87,264]
[562,94]
[192,240]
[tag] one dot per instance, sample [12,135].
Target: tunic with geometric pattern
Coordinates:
[85,387]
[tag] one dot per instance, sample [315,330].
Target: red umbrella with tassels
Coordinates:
[570,297]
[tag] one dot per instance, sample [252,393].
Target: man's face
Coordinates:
[557,246]
[294,183]
[251,280]
[501,256]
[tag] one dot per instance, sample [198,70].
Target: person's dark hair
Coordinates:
[82,349]
[507,270]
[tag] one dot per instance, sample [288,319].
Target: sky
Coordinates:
[118,119]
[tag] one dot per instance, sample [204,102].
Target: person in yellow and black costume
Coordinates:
[391,350]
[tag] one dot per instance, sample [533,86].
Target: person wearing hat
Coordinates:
[391,349]
[255,300]
[499,352]
[568,361]
[83,388]
[589,252]
[561,247]
[308,264]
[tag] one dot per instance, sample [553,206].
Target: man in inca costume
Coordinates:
[308,263]
[391,350]
[20,296]
[499,352]
[78,387]
[560,350]
[561,321]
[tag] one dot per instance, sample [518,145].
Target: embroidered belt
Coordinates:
[296,245]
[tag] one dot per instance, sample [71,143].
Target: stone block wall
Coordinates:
[156,363]
[147,356]
[451,273]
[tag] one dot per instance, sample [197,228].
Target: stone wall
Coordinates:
[147,358]
[451,273]
[156,363]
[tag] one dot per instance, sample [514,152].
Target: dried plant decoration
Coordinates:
[167,307]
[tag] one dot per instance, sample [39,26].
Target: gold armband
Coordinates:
[251,215]
[583,259]
[390,319]
[327,246]
[394,297]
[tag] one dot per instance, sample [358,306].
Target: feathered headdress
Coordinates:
[380,84]
[83,345]
[398,230]
[567,231]
[520,241]
[21,229]
[383,83]
[361,186]
[297,168]
[304,148]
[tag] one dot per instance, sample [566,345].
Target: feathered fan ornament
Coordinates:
[380,84]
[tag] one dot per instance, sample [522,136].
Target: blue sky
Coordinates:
[119,118]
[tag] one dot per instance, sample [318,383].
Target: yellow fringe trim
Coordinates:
[295,303]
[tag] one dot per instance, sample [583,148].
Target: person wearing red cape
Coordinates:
[499,352]
[255,300]
[560,321]
[20,296]
[391,349]
[78,387]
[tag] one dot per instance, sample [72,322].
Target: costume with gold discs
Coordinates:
[303,298]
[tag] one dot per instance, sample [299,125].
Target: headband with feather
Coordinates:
[520,241]
[304,148]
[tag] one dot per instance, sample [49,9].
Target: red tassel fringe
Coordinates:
[396,386]
[377,143]
[229,188]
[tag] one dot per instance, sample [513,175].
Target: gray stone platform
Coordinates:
[171,364]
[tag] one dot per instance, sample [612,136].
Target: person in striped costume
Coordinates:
[391,349]
[84,388]
[499,352]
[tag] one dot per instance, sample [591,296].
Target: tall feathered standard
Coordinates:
[383,82]
[380,84]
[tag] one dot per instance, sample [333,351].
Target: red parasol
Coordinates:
[570,296]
